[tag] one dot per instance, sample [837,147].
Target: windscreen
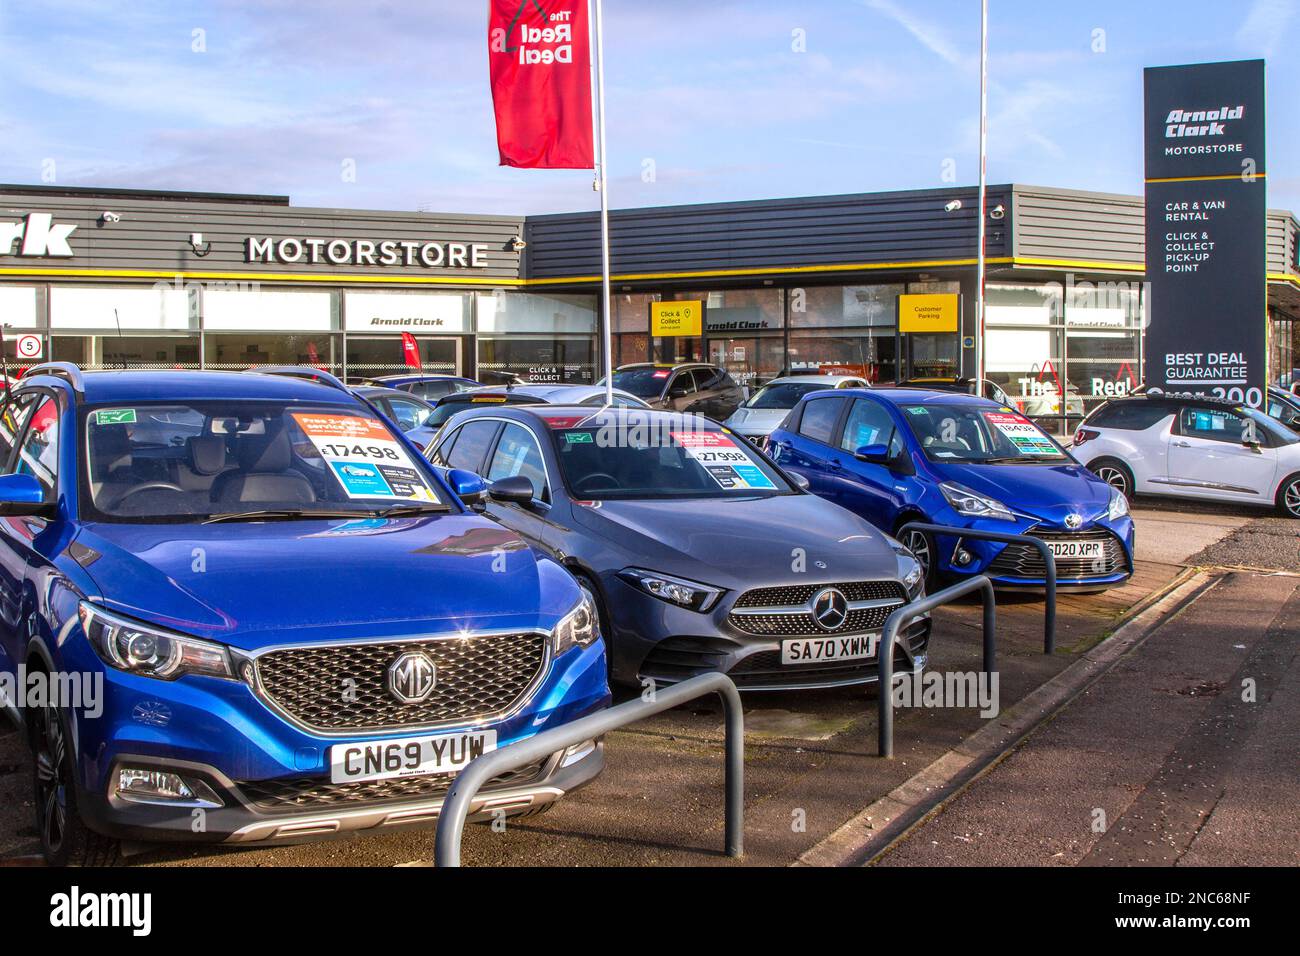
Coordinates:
[672,461]
[194,461]
[979,434]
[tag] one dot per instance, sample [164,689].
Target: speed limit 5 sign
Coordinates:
[29,346]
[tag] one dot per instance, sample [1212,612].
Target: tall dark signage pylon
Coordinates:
[1205,230]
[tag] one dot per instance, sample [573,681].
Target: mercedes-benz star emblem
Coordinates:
[830,609]
[1073,521]
[412,677]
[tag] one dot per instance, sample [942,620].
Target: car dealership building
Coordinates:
[130,278]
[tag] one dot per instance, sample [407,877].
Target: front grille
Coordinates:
[1024,561]
[344,688]
[800,623]
[305,792]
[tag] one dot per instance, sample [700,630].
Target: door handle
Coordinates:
[1181,444]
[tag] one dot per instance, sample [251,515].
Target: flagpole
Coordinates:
[602,184]
[983,191]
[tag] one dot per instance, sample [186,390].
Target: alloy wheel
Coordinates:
[919,545]
[1115,477]
[52,780]
[1291,498]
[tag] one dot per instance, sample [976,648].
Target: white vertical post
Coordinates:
[602,184]
[984,133]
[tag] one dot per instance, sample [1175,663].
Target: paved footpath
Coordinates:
[1169,758]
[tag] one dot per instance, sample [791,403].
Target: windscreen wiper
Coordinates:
[417,508]
[281,514]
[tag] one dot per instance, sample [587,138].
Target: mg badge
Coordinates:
[412,677]
[1073,522]
[830,609]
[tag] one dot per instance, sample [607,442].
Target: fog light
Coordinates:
[141,785]
[156,784]
[577,752]
[962,557]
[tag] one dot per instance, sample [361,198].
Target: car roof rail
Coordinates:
[303,371]
[64,370]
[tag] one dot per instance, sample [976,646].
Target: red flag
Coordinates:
[541,83]
[411,351]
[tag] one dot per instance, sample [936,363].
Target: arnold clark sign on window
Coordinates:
[416,312]
[1205,230]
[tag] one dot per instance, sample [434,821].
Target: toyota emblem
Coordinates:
[412,677]
[830,609]
[1073,521]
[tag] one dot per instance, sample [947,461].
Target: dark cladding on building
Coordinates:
[129,278]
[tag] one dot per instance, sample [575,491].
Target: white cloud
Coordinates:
[1264,26]
[928,34]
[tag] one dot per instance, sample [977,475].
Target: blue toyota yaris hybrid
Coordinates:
[241,608]
[899,455]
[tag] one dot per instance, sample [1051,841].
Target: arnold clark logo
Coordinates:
[1180,124]
[40,236]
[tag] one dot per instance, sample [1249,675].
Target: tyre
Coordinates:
[65,838]
[921,544]
[1288,497]
[1115,473]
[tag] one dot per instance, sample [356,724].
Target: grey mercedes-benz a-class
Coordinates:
[701,553]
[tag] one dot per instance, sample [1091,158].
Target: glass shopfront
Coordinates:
[845,329]
[537,337]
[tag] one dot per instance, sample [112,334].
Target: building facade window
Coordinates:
[845,329]
[538,337]
[125,327]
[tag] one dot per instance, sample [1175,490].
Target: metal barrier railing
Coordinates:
[456,808]
[906,615]
[1049,560]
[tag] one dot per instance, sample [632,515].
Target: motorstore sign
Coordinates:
[366,252]
[1205,230]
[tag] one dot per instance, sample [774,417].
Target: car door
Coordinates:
[874,491]
[809,448]
[1208,459]
[518,452]
[37,453]
[680,395]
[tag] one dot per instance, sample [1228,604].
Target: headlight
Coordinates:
[578,628]
[150,651]
[914,582]
[1118,504]
[679,591]
[973,504]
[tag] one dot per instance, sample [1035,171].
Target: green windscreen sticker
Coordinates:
[578,438]
[115,416]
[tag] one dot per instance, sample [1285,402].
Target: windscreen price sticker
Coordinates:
[725,461]
[1022,433]
[364,457]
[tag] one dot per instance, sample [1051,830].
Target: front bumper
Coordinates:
[270,777]
[1020,567]
[653,640]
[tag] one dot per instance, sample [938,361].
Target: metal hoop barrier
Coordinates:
[457,807]
[906,615]
[1049,561]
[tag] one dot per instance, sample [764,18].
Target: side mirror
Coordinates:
[1251,443]
[22,495]
[678,391]
[873,454]
[516,490]
[469,487]
[799,481]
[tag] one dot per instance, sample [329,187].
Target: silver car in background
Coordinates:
[767,407]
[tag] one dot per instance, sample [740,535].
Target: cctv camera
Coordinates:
[110,217]
[952,205]
[518,244]
[997,212]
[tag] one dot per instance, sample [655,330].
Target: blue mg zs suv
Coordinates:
[241,608]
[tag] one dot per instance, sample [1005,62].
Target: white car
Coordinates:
[1192,448]
[767,407]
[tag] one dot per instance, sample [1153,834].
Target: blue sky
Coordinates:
[713,93]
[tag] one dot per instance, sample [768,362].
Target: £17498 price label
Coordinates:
[364,457]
